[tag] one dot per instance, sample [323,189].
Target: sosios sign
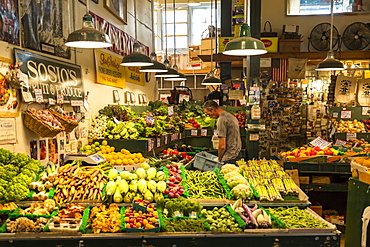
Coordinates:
[52,76]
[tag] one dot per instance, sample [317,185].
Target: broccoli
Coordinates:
[22,179]
[5,156]
[16,192]
[6,174]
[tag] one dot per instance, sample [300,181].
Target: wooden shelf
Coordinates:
[314,55]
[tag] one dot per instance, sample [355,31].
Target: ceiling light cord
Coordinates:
[331,23]
[135,21]
[165,27]
[174,33]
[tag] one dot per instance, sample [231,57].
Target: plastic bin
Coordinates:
[206,161]
[215,141]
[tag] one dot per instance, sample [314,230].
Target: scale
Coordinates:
[93,159]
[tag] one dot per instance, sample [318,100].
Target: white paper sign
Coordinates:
[7,131]
[38,95]
[365,111]
[321,143]
[170,110]
[340,142]
[351,136]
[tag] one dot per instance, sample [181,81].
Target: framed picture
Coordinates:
[84,1]
[116,96]
[118,8]
[133,99]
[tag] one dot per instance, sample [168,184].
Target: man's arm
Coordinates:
[221,147]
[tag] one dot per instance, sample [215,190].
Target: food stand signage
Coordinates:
[108,69]
[53,77]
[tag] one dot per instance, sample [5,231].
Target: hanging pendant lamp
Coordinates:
[178,76]
[136,58]
[330,63]
[88,36]
[211,79]
[245,45]
[170,71]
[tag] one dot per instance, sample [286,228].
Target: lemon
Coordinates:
[104,143]
[118,162]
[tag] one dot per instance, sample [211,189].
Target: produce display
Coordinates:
[296,218]
[184,225]
[144,220]
[221,220]
[253,217]
[105,219]
[204,185]
[77,182]
[269,179]
[175,180]
[17,171]
[25,224]
[5,91]
[239,186]
[145,183]
[44,208]
[348,126]
[46,117]
[310,151]
[241,116]
[179,207]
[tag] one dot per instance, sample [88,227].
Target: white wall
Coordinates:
[275,12]
[99,95]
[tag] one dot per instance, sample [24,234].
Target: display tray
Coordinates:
[266,231]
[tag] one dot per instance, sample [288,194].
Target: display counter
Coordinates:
[263,238]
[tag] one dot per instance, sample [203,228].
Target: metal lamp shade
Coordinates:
[88,36]
[245,45]
[136,58]
[180,77]
[156,67]
[211,79]
[330,63]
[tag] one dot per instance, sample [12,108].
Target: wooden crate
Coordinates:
[206,43]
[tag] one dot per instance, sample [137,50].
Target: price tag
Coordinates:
[203,132]
[115,120]
[149,119]
[340,142]
[346,114]
[38,95]
[27,96]
[254,137]
[321,143]
[165,139]
[335,114]
[51,101]
[158,142]
[365,111]
[351,136]
[77,103]
[170,110]
[60,98]
[150,144]
[194,132]
[193,215]
[215,133]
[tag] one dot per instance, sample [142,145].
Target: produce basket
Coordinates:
[39,126]
[69,225]
[68,124]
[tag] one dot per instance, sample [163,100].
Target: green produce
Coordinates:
[296,218]
[133,186]
[152,172]
[142,186]
[220,220]
[141,173]
[113,174]
[152,186]
[242,191]
[184,225]
[123,186]
[178,206]
[17,171]
[204,185]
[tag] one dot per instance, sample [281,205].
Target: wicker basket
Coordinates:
[68,124]
[39,126]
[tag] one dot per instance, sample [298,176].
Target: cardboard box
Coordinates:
[206,43]
[290,45]
[317,208]
[321,180]
[294,175]
[271,43]
[304,179]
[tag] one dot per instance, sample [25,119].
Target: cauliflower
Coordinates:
[229,168]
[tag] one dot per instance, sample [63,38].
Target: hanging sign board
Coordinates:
[52,76]
[363,92]
[345,89]
[133,75]
[108,69]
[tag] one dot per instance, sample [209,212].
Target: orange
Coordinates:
[125,161]
[142,160]
[131,162]
[108,157]
[112,149]
[139,155]
[112,162]
[136,160]
[119,162]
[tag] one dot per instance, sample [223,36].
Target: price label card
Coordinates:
[170,110]
[215,132]
[203,132]
[346,114]
[365,111]
[51,101]
[194,132]
[166,139]
[340,142]
[335,114]
[149,119]
[150,144]
[321,143]
[27,96]
[60,98]
[158,142]
[38,95]
[77,103]
[254,137]
[351,136]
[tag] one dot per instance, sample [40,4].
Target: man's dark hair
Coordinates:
[210,104]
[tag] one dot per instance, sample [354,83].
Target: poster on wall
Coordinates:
[53,150]
[45,26]
[108,69]
[133,75]
[53,77]
[9,98]
[7,131]
[345,89]
[363,92]
[9,25]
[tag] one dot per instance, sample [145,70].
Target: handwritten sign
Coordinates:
[351,136]
[158,142]
[346,114]
[7,131]
[321,143]
[340,142]
[203,132]
[194,132]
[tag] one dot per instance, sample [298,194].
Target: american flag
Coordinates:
[279,69]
